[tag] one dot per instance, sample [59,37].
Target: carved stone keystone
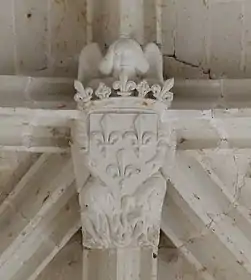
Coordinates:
[121,139]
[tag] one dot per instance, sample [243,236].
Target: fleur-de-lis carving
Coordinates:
[103,141]
[163,94]
[103,91]
[120,170]
[99,138]
[143,88]
[132,137]
[83,94]
[148,138]
[124,86]
[115,171]
[138,138]
[114,137]
[131,170]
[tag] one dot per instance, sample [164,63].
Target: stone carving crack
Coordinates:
[207,72]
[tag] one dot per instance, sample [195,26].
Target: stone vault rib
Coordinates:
[176,225]
[237,211]
[43,131]
[180,222]
[32,218]
[213,236]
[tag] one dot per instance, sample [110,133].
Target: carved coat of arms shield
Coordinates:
[125,148]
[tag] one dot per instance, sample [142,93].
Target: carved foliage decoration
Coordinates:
[112,220]
[121,138]
[121,203]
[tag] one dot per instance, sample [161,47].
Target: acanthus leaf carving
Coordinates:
[112,220]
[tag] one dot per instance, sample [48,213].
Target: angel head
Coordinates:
[124,55]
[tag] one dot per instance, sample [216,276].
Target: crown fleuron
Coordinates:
[125,88]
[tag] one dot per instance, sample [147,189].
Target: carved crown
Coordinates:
[125,88]
[125,71]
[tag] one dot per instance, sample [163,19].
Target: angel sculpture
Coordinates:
[124,59]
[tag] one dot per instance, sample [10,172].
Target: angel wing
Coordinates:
[89,61]
[155,60]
